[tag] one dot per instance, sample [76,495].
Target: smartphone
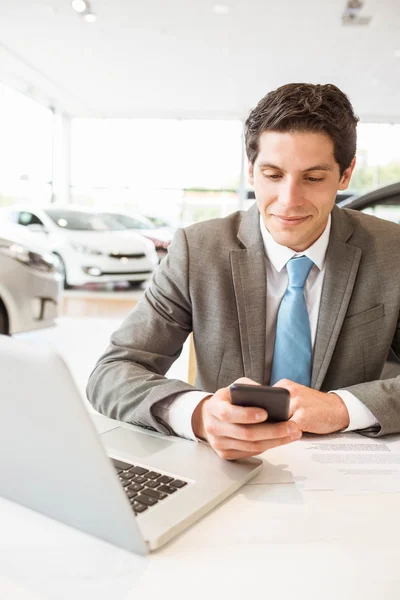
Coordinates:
[275,400]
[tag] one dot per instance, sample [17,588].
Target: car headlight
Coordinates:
[41,262]
[82,249]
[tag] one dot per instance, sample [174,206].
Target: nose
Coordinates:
[290,194]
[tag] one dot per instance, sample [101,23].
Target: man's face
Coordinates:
[295,179]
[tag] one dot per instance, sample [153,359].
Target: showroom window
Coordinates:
[25,148]
[378,157]
[178,170]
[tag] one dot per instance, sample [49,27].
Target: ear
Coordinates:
[345,179]
[250,173]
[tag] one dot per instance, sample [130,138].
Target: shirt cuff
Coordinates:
[360,416]
[178,415]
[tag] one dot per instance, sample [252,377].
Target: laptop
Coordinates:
[133,488]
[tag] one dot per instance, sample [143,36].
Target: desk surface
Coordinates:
[263,540]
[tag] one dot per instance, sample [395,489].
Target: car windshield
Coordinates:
[157,222]
[129,222]
[84,221]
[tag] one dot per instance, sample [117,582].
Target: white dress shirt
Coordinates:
[179,414]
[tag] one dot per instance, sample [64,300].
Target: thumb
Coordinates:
[246,380]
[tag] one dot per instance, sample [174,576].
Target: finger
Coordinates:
[298,418]
[287,384]
[256,433]
[246,380]
[231,449]
[225,411]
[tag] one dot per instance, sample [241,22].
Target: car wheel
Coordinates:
[63,271]
[3,319]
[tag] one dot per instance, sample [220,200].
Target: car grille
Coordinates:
[125,273]
[119,256]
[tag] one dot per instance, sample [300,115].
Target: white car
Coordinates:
[160,236]
[30,282]
[90,246]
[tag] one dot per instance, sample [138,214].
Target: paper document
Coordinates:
[346,462]
[361,464]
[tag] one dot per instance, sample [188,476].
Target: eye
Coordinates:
[315,179]
[273,176]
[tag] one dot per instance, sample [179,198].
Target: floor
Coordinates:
[105,302]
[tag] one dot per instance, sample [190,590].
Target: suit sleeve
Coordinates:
[382,398]
[129,378]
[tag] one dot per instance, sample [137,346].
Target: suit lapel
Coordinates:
[342,261]
[249,282]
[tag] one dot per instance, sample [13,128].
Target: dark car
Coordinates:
[341,196]
[384,203]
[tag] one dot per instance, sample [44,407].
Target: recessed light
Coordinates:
[79,5]
[221,9]
[397,53]
[89,17]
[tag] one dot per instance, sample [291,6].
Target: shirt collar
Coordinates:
[279,255]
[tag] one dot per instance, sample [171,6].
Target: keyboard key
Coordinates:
[166,489]
[125,475]
[153,475]
[177,483]
[139,479]
[146,500]
[152,484]
[165,479]
[154,494]
[139,470]
[126,483]
[131,494]
[135,487]
[119,464]
[139,508]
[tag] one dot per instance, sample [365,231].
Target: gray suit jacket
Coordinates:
[213,282]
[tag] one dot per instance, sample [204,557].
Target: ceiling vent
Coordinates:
[351,14]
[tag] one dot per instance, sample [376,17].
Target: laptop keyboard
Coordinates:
[145,488]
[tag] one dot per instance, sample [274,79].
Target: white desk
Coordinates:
[266,541]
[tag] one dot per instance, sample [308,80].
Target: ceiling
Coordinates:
[180,59]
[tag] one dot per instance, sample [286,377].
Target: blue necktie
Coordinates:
[292,352]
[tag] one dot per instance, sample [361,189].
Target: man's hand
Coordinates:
[236,431]
[314,411]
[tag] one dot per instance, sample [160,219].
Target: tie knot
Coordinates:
[298,270]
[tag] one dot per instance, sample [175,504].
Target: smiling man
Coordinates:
[295,292]
[295,197]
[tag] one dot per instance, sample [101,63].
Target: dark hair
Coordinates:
[305,107]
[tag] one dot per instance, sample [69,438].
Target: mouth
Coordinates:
[290,221]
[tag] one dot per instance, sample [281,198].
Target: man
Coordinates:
[295,292]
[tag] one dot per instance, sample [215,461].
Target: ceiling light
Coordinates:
[89,17]
[79,5]
[351,14]
[221,9]
[397,53]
